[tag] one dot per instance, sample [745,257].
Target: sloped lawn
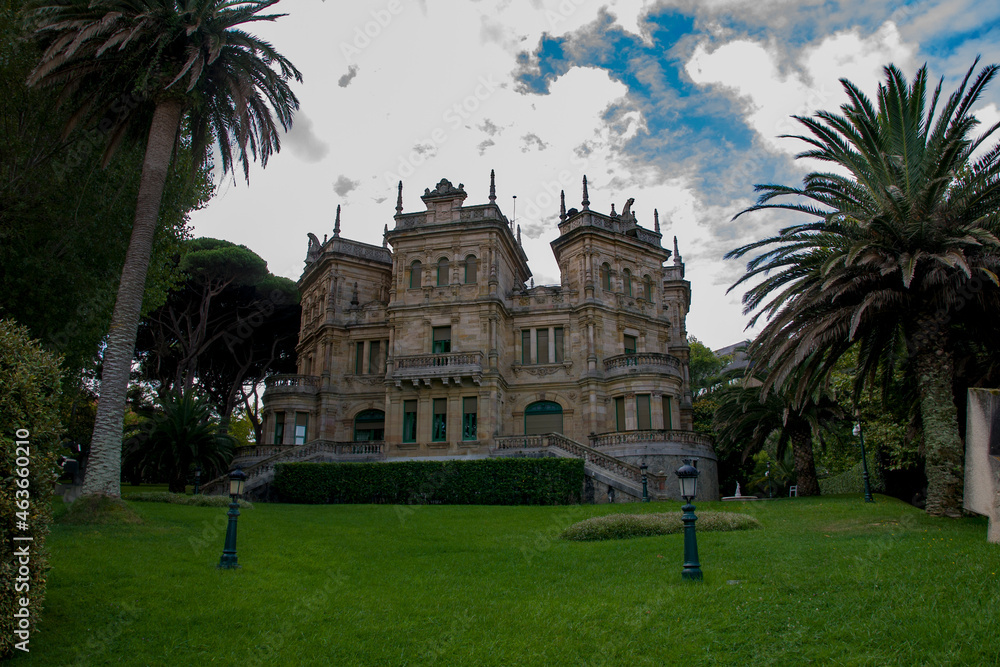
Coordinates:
[826,580]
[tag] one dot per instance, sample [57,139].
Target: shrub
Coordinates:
[622,526]
[549,481]
[181,499]
[99,510]
[29,415]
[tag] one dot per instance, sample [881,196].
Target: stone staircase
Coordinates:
[258,462]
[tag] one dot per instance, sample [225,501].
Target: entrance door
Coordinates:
[543,417]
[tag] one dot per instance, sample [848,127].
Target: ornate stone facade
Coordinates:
[443,346]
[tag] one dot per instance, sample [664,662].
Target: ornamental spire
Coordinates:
[656,220]
[336,224]
[562,205]
[677,253]
[399,199]
[519,235]
[493,186]
[586,198]
[385,236]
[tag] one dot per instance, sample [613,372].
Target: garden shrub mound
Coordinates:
[520,481]
[181,499]
[99,510]
[622,526]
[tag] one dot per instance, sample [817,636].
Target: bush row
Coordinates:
[549,481]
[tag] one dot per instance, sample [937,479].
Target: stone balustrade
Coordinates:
[642,362]
[646,436]
[292,384]
[446,367]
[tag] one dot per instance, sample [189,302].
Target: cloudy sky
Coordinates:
[677,103]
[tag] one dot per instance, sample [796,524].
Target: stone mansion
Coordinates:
[443,347]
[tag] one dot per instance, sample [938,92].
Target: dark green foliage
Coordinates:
[550,481]
[705,366]
[64,220]
[29,415]
[172,440]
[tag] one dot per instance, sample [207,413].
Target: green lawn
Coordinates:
[827,580]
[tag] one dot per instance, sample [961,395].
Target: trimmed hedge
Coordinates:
[520,481]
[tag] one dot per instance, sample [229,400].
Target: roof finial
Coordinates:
[399,199]
[677,253]
[656,220]
[385,236]
[586,198]
[613,214]
[562,205]
[519,235]
[336,225]
[493,186]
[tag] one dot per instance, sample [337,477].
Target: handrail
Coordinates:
[649,435]
[642,359]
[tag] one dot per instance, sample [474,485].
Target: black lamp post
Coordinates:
[687,475]
[645,492]
[237,478]
[864,463]
[197,478]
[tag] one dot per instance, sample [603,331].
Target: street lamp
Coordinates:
[645,492]
[237,478]
[687,476]
[864,463]
[197,478]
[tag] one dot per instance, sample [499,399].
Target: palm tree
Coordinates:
[747,416]
[906,222]
[157,67]
[182,434]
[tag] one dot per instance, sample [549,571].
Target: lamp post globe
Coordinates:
[687,477]
[237,480]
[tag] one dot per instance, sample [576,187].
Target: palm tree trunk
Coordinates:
[805,465]
[943,448]
[104,464]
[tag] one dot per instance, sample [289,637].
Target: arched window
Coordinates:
[627,282]
[606,276]
[543,417]
[443,266]
[471,270]
[647,288]
[369,425]
[415,270]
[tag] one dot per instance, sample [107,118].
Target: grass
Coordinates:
[624,526]
[826,580]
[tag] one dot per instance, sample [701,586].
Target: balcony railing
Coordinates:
[292,384]
[447,367]
[642,362]
[602,440]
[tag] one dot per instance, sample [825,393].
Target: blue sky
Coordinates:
[678,104]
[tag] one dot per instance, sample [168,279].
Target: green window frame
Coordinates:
[606,276]
[374,356]
[643,412]
[647,288]
[471,270]
[443,266]
[470,415]
[620,413]
[369,425]
[629,344]
[525,347]
[409,421]
[359,358]
[442,340]
[439,426]
[301,427]
[279,428]
[668,414]
[542,345]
